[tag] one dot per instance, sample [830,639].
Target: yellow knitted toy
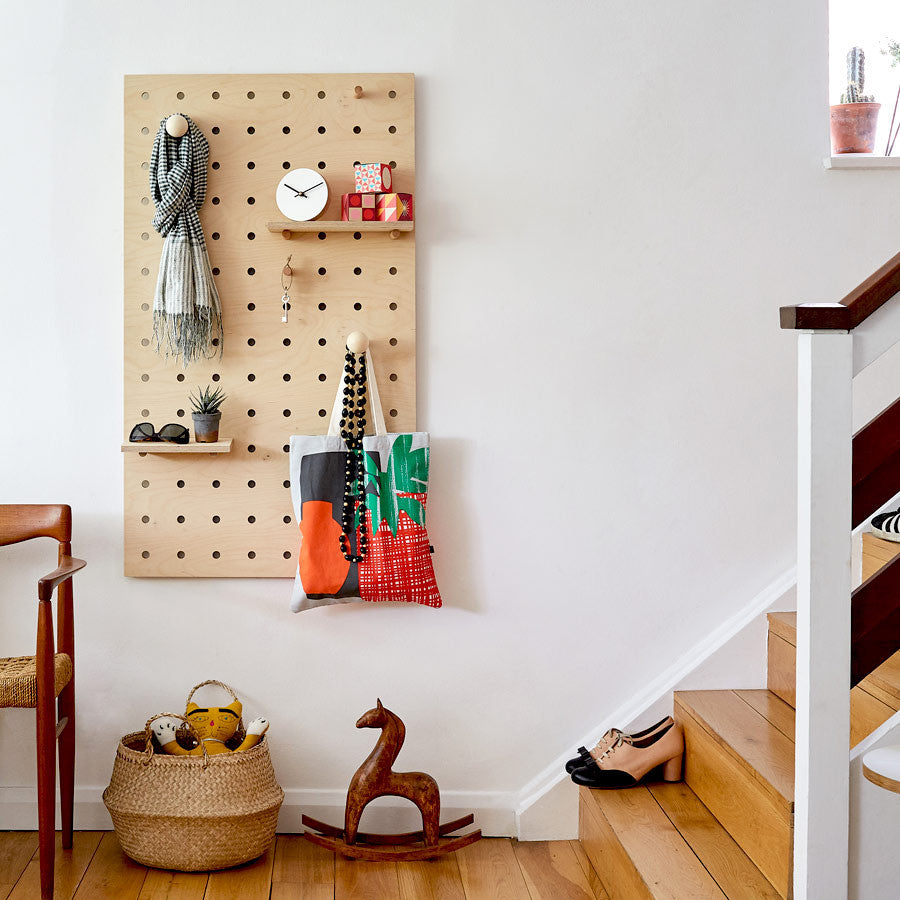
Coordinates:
[213,724]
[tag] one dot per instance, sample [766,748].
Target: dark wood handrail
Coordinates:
[876,463]
[855,308]
[875,621]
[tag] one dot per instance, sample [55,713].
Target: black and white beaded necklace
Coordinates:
[353,426]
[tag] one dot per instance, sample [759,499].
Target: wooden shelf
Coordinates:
[288,229]
[222,446]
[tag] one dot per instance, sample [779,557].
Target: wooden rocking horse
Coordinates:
[375,778]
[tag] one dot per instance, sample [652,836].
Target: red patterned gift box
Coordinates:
[372,178]
[358,207]
[394,207]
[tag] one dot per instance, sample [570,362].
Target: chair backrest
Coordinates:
[24,521]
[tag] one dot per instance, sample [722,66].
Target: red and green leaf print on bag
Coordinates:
[397,565]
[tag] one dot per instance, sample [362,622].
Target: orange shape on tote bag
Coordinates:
[323,568]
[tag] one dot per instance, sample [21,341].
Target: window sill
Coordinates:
[861,161]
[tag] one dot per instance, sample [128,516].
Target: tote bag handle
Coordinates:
[374,400]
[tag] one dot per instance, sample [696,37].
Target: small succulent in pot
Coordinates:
[855,118]
[206,414]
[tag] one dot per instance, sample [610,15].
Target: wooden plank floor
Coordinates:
[492,869]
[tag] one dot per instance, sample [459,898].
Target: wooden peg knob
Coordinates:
[357,342]
[287,270]
[176,125]
[358,91]
[287,234]
[395,233]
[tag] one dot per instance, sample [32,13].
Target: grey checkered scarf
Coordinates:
[187,316]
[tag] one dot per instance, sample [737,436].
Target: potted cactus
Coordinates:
[206,414]
[854,119]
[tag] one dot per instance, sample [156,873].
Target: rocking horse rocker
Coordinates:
[375,778]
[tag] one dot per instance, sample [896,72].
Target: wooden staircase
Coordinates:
[726,831]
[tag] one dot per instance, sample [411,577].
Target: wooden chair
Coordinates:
[35,681]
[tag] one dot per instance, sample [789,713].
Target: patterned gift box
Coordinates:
[394,207]
[372,178]
[358,207]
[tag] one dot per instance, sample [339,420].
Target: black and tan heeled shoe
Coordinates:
[585,756]
[627,763]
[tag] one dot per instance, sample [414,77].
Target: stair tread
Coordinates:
[659,855]
[784,624]
[757,744]
[675,844]
[733,870]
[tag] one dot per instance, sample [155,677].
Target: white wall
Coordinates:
[614,199]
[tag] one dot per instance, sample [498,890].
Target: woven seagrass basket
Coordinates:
[192,813]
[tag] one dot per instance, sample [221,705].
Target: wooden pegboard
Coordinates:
[229,514]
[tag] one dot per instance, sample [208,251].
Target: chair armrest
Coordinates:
[68,566]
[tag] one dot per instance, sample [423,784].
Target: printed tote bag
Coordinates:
[389,556]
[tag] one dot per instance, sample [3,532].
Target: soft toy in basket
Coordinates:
[198,805]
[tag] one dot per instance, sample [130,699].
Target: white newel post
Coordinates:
[821,780]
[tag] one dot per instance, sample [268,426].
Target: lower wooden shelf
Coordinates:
[222,446]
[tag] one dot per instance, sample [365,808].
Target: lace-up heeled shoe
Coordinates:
[626,763]
[585,756]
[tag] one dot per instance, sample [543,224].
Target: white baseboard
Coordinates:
[494,811]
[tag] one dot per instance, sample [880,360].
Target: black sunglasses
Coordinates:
[174,434]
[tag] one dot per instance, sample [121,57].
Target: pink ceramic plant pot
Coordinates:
[853,127]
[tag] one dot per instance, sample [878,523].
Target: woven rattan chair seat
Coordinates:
[18,679]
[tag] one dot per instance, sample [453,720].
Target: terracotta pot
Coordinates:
[853,127]
[206,427]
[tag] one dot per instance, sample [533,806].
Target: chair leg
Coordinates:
[67,762]
[46,756]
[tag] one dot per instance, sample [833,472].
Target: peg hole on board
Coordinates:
[251,129]
[145,166]
[215,342]
[179,376]
[322,376]
[215,95]
[251,448]
[320,95]
[145,342]
[180,554]
[393,342]
[145,130]
[321,164]
[251,377]
[145,377]
[251,519]
[251,201]
[286,483]
[251,554]
[146,554]
[216,554]
[393,164]
[145,271]
[322,342]
[357,306]
[286,520]
[217,483]
[251,164]
[286,164]
[145,519]
[286,342]
[392,305]
[215,129]
[145,96]
[286,376]
[356,129]
[392,270]
[145,307]
[357,236]
[179,413]
[251,483]
[180,520]
[250,95]
[321,129]
[251,306]
[251,342]
[251,271]
[215,235]
[145,412]
[392,94]
[216,520]
[323,413]
[251,413]
[145,483]
[322,235]
[216,201]
[357,270]
[393,413]
[393,376]
[179,484]
[145,236]
[145,200]
[216,376]
[392,129]
[180,95]
[286,448]
[323,306]
[286,554]
[322,270]
[286,95]
[216,165]
[251,236]
[286,413]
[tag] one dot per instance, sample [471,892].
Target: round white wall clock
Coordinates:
[301,195]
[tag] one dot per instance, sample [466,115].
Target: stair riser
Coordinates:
[781,669]
[759,824]
[608,856]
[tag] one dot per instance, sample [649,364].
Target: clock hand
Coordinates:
[316,185]
[298,193]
